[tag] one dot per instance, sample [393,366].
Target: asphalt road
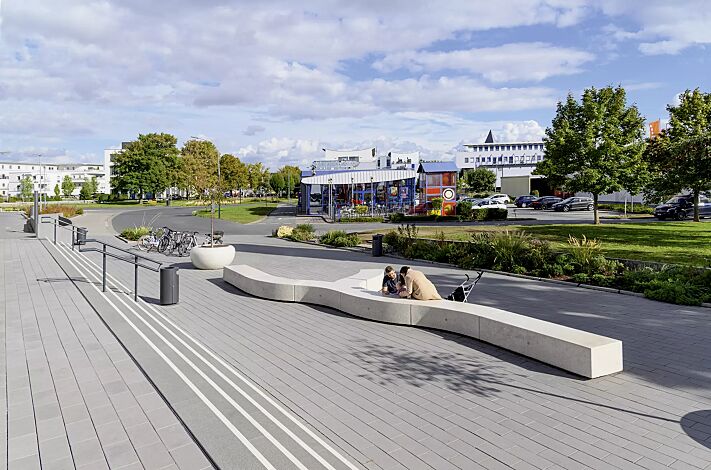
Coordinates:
[181,218]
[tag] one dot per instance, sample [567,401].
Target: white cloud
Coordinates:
[517,61]
[664,27]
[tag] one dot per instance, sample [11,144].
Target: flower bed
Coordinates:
[582,262]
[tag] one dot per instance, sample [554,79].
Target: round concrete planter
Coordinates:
[215,257]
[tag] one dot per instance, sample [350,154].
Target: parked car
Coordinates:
[574,204]
[545,202]
[682,207]
[524,201]
[489,204]
[473,200]
[500,197]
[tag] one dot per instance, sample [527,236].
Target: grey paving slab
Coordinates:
[458,401]
[56,351]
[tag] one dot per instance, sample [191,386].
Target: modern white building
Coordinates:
[45,176]
[512,162]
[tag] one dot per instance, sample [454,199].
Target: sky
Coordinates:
[277,81]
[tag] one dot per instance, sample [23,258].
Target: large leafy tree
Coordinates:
[258,176]
[234,173]
[680,157]
[292,177]
[595,145]
[147,165]
[68,186]
[199,166]
[480,180]
[277,183]
[26,187]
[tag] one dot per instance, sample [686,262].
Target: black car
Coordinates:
[524,201]
[544,202]
[574,204]
[682,207]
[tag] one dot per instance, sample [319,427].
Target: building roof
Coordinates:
[489,138]
[437,167]
[358,176]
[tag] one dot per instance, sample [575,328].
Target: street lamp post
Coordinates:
[372,198]
[330,198]
[352,192]
[219,188]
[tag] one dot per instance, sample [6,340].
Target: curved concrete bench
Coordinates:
[577,351]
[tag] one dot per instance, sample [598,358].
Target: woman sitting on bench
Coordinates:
[417,286]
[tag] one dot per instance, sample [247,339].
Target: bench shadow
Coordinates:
[697,425]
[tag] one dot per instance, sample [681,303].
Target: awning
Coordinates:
[359,177]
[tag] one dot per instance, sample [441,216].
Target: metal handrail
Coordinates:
[56,222]
[132,258]
[136,264]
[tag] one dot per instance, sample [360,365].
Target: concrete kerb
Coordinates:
[583,353]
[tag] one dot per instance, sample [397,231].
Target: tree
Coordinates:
[595,146]
[199,166]
[68,186]
[234,173]
[277,183]
[257,176]
[26,187]
[85,191]
[148,165]
[57,191]
[480,180]
[292,177]
[680,157]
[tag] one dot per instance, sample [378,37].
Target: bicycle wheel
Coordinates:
[145,243]
[163,243]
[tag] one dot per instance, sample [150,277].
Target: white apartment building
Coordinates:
[510,161]
[45,176]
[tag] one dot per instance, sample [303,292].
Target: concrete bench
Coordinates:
[577,351]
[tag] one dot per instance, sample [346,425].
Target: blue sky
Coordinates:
[276,81]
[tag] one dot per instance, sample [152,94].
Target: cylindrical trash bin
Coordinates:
[378,244]
[169,284]
[81,236]
[167,202]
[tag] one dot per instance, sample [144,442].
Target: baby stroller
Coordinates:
[461,293]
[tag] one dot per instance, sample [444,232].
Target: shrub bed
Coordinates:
[339,238]
[467,213]
[581,262]
[135,233]
[65,210]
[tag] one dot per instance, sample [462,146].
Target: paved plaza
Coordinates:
[262,384]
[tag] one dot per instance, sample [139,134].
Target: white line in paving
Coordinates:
[271,417]
[187,381]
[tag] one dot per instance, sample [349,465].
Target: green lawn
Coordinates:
[242,213]
[666,242]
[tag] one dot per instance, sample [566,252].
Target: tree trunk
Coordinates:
[696,206]
[596,214]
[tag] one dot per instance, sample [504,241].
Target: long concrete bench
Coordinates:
[577,351]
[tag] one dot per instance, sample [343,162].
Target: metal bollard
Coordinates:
[378,244]
[169,285]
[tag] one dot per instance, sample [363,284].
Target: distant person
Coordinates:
[390,282]
[417,286]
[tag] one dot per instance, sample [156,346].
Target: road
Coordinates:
[181,218]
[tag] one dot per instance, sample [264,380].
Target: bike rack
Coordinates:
[79,239]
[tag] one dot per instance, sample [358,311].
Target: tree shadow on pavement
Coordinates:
[697,425]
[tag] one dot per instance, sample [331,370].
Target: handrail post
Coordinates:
[135,279]
[73,242]
[103,272]
[55,232]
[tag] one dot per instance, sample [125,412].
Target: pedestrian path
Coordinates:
[391,397]
[72,395]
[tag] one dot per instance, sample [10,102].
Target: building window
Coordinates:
[496,147]
[466,159]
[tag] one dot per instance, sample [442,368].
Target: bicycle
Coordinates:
[187,242]
[150,241]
